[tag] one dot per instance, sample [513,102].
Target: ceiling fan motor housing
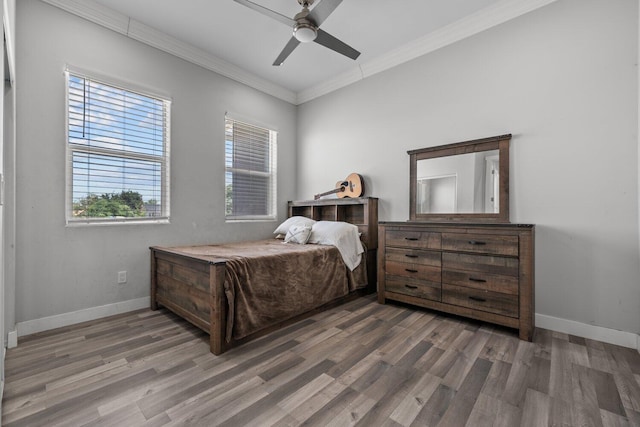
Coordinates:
[305,31]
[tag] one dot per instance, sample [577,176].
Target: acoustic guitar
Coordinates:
[352,186]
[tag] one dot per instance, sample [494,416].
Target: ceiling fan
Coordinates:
[306,27]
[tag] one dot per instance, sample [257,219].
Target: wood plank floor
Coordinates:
[360,364]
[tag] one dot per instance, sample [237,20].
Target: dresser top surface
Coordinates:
[457,224]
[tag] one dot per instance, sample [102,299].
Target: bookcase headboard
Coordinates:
[360,211]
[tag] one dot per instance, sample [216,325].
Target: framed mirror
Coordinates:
[465,181]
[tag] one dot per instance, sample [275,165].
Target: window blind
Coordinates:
[250,165]
[117,153]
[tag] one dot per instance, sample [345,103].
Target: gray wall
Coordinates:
[65,269]
[563,81]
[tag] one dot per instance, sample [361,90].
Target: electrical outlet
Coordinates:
[122,277]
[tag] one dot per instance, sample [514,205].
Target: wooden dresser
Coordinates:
[481,271]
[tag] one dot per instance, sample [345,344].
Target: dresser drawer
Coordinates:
[480,263]
[480,243]
[413,239]
[492,302]
[414,256]
[416,288]
[415,271]
[482,281]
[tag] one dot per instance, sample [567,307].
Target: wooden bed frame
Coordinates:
[193,287]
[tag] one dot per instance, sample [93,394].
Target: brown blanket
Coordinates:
[269,281]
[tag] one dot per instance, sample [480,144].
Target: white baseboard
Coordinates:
[4,356]
[12,339]
[611,336]
[58,321]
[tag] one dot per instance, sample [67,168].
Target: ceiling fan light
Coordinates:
[305,33]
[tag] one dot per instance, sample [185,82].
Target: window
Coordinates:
[250,171]
[117,153]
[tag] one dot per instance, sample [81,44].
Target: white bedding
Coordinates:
[343,236]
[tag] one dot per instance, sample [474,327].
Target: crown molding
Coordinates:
[138,31]
[152,37]
[343,80]
[482,20]
[94,12]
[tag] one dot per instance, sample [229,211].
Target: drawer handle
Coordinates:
[410,270]
[411,256]
[477,299]
[413,239]
[477,242]
[411,286]
[473,279]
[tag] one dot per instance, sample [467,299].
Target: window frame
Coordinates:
[272,192]
[71,148]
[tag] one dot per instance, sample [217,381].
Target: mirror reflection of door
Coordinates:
[437,194]
[492,185]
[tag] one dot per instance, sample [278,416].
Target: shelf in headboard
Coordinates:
[361,211]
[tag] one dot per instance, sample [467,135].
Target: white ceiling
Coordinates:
[241,39]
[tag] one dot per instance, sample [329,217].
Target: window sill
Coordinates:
[249,219]
[101,223]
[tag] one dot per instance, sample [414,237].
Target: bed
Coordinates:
[237,292]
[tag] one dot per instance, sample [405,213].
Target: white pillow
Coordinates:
[298,234]
[342,235]
[294,220]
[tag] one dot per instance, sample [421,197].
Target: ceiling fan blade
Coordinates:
[292,44]
[327,40]
[268,12]
[322,11]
